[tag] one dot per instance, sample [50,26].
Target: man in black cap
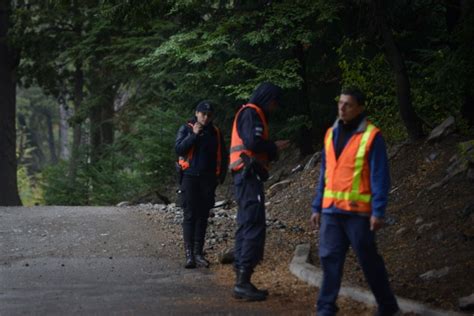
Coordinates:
[203,161]
[250,153]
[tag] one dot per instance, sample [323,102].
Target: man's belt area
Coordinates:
[252,167]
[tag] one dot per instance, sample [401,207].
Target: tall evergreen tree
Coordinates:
[8,63]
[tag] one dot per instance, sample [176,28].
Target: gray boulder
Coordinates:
[442,130]
[435,274]
[467,303]
[313,161]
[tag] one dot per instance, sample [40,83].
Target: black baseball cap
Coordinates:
[204,106]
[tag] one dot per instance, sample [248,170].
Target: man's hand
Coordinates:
[282,144]
[197,128]
[376,223]
[315,220]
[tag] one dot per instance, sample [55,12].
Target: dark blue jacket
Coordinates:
[204,161]
[379,171]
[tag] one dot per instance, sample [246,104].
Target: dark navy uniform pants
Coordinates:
[198,199]
[337,232]
[250,234]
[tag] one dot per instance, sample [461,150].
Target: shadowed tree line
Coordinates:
[103,85]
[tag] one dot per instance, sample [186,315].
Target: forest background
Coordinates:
[92,92]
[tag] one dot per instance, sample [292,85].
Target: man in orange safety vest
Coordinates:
[250,153]
[350,203]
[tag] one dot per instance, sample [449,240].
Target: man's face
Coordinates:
[204,118]
[348,108]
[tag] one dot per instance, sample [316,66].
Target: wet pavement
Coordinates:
[100,261]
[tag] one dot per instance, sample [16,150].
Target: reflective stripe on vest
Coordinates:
[237,145]
[185,162]
[348,178]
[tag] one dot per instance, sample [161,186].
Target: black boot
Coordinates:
[243,288]
[200,260]
[263,291]
[190,260]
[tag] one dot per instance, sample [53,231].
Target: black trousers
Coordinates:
[250,234]
[198,198]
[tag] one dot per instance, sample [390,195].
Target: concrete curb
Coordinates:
[300,267]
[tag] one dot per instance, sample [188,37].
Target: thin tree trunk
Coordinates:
[8,163]
[64,115]
[458,20]
[467,13]
[95,133]
[21,137]
[304,133]
[411,120]
[107,126]
[37,158]
[76,142]
[102,128]
[457,11]
[78,97]
[51,142]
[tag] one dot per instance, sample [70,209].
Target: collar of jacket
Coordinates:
[360,128]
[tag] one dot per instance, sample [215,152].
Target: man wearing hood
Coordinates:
[250,154]
[203,162]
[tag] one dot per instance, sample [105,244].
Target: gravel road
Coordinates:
[100,261]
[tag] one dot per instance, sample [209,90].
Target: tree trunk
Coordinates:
[95,134]
[304,133]
[411,120]
[102,128]
[458,19]
[64,115]
[8,163]
[51,144]
[21,138]
[36,159]
[76,142]
[467,13]
[107,126]
[78,97]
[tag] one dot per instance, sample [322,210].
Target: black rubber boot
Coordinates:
[190,260]
[201,261]
[263,291]
[243,288]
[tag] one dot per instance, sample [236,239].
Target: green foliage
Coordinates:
[140,160]
[28,187]
[104,183]
[150,144]
[165,56]
[466,149]
[372,74]
[34,111]
[436,87]
[112,181]
[291,128]
[58,188]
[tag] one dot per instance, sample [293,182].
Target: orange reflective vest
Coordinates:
[347,179]
[185,162]
[237,145]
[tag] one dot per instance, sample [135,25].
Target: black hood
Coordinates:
[264,94]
